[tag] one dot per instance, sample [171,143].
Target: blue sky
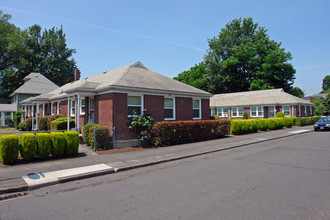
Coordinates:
[171,36]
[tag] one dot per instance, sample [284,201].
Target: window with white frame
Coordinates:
[222,112]
[52,109]
[310,110]
[169,109]
[305,110]
[134,104]
[299,111]
[196,109]
[82,106]
[91,110]
[72,107]
[58,107]
[286,110]
[257,111]
[237,112]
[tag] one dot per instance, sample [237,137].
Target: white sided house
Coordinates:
[259,104]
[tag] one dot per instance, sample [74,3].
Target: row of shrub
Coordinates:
[180,132]
[41,146]
[306,120]
[254,125]
[101,135]
[47,123]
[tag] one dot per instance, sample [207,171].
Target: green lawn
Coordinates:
[7,130]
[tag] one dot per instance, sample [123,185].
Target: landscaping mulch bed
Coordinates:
[121,150]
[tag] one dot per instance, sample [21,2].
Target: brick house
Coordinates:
[259,104]
[110,98]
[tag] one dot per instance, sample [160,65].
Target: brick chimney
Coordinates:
[76,74]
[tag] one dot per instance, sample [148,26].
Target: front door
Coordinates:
[271,112]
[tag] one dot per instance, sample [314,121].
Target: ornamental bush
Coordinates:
[279,115]
[17,118]
[102,136]
[58,144]
[44,145]
[28,146]
[9,147]
[245,115]
[180,132]
[302,121]
[288,122]
[42,123]
[85,133]
[61,124]
[51,118]
[28,123]
[214,117]
[142,126]
[72,140]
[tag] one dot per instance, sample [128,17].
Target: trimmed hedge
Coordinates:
[58,144]
[72,140]
[214,117]
[28,146]
[51,118]
[180,132]
[85,133]
[303,121]
[9,147]
[28,123]
[61,124]
[44,145]
[254,125]
[103,139]
[279,115]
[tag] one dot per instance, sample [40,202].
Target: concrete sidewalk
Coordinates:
[16,179]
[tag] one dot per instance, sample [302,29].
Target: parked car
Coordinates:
[322,124]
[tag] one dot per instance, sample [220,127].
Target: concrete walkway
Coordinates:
[28,176]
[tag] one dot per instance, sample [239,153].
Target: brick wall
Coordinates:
[103,109]
[247,110]
[154,105]
[183,108]
[64,108]
[206,110]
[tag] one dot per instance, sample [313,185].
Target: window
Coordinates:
[82,106]
[169,109]
[286,110]
[52,109]
[257,111]
[310,110]
[91,110]
[299,111]
[134,104]
[196,109]
[222,112]
[73,108]
[43,109]
[237,112]
[305,110]
[58,108]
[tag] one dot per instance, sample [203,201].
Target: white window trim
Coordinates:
[310,110]
[174,116]
[90,101]
[58,110]
[81,112]
[222,112]
[289,110]
[199,108]
[299,111]
[71,112]
[237,112]
[257,112]
[141,106]
[43,109]
[305,110]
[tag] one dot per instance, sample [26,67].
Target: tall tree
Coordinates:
[326,84]
[242,57]
[31,50]
[296,91]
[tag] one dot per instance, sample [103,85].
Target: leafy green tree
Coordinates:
[326,84]
[243,57]
[296,91]
[33,50]
[196,76]
[326,104]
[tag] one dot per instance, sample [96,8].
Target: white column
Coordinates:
[78,114]
[37,115]
[2,118]
[32,113]
[68,123]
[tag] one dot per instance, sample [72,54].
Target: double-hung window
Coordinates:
[134,104]
[310,110]
[196,109]
[82,106]
[299,111]
[237,112]
[91,110]
[58,107]
[286,110]
[169,109]
[73,107]
[257,111]
[305,110]
[222,112]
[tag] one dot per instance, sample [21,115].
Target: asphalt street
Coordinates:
[286,178]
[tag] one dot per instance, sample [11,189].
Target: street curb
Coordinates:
[130,167]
